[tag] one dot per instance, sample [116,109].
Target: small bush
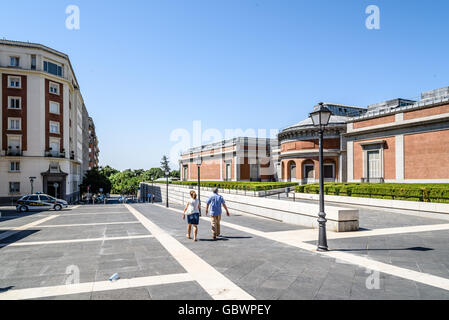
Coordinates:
[235,185]
[437,193]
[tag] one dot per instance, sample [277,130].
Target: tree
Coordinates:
[165,166]
[153,173]
[139,172]
[96,179]
[125,182]
[175,174]
[108,171]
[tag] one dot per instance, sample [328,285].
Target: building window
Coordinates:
[53,68]
[54,147]
[33,62]
[54,107]
[15,103]
[14,166]
[14,143]
[14,187]
[54,88]
[14,82]
[14,123]
[14,61]
[329,171]
[54,127]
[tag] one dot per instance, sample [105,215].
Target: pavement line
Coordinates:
[87,224]
[16,230]
[424,278]
[92,214]
[213,282]
[43,292]
[312,234]
[36,243]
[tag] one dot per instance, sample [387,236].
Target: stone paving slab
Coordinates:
[86,219]
[425,252]
[264,268]
[272,270]
[37,234]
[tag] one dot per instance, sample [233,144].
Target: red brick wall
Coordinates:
[426,112]
[426,155]
[310,145]
[374,122]
[389,158]
[22,114]
[54,117]
[210,170]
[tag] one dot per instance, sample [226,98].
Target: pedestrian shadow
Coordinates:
[223,238]
[2,290]
[226,237]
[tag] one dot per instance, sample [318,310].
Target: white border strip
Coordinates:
[43,292]
[37,243]
[213,282]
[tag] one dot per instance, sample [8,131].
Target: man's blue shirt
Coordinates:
[215,203]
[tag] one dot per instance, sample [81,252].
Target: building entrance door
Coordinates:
[293,173]
[373,165]
[254,172]
[51,191]
[309,173]
[228,172]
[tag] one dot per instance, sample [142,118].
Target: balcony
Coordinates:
[14,152]
[55,154]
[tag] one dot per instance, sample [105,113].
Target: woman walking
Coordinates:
[192,211]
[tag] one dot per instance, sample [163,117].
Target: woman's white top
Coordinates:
[193,206]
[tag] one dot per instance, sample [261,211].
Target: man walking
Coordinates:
[215,202]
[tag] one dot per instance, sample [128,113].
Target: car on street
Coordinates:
[41,202]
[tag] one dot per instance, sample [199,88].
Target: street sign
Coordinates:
[55,185]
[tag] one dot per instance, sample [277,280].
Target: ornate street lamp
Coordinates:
[167,173]
[320,118]
[199,162]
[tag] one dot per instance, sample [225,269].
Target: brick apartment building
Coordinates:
[44,123]
[398,140]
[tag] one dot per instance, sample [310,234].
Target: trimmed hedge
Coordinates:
[235,185]
[437,192]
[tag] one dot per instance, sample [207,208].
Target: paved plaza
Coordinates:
[72,254]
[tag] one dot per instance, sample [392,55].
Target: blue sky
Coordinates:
[147,68]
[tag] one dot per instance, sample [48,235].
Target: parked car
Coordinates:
[40,202]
